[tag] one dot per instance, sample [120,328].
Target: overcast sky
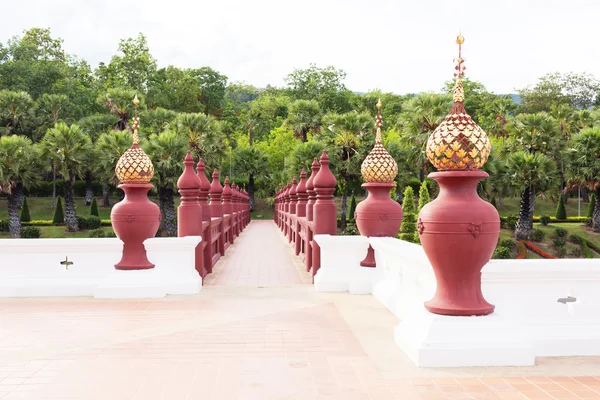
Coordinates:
[399,46]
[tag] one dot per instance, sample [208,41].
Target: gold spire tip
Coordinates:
[136,101]
[379,104]
[460,39]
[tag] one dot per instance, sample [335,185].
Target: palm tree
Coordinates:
[528,174]
[166,150]
[419,118]
[251,162]
[68,148]
[50,107]
[18,165]
[584,158]
[15,107]
[110,147]
[344,135]
[96,124]
[156,120]
[118,102]
[564,116]
[202,134]
[534,133]
[304,116]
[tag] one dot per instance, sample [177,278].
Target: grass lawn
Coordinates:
[58,232]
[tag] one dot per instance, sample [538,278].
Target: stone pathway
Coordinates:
[256,331]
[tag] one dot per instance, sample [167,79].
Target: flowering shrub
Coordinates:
[521,251]
[537,250]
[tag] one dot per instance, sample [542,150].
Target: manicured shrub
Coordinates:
[561,252]
[91,222]
[407,237]
[559,242]
[576,239]
[545,220]
[352,206]
[561,233]
[521,251]
[576,252]
[110,234]
[409,225]
[592,246]
[591,206]
[423,195]
[3,226]
[25,217]
[417,238]
[59,213]
[511,221]
[408,204]
[586,250]
[508,243]
[96,233]
[351,230]
[561,212]
[94,208]
[501,252]
[537,235]
[31,232]
[39,222]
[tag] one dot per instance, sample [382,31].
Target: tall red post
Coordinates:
[216,209]
[324,210]
[189,212]
[206,216]
[236,209]
[286,209]
[293,201]
[228,211]
[312,198]
[300,208]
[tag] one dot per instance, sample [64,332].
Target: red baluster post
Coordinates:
[312,198]
[324,210]
[228,214]
[292,220]
[300,209]
[216,211]
[206,219]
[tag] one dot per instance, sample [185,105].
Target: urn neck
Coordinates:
[458,184]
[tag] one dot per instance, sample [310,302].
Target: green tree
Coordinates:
[424,197]
[584,158]
[203,136]
[175,89]
[419,118]
[167,151]
[50,107]
[324,85]
[25,216]
[118,102]
[304,116]
[213,86]
[591,206]
[18,164]
[94,208]
[528,174]
[352,207]
[156,120]
[109,148]
[132,69]
[250,162]
[408,202]
[561,212]
[15,109]
[59,214]
[67,148]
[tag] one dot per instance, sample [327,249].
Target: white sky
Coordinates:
[399,46]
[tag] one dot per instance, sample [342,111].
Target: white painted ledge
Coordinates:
[529,320]
[31,268]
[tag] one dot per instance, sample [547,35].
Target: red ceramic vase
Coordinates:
[459,232]
[135,219]
[377,216]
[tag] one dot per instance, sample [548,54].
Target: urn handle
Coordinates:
[476,228]
[420,227]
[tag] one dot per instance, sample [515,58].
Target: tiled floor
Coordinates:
[270,337]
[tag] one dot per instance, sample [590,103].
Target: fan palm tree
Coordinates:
[67,148]
[584,159]
[15,108]
[251,162]
[156,120]
[18,165]
[110,147]
[118,102]
[96,124]
[528,174]
[304,116]
[419,118]
[202,134]
[534,133]
[50,108]
[167,151]
[564,116]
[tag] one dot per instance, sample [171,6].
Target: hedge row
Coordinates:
[48,222]
[537,218]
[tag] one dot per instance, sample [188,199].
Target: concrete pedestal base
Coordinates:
[133,284]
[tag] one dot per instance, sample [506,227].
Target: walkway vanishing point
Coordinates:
[257,330]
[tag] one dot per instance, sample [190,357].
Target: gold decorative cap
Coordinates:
[458,143]
[379,166]
[135,166]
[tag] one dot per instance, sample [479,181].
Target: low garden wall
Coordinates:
[85,267]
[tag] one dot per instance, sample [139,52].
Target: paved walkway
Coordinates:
[252,335]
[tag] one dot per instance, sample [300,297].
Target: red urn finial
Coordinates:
[215,187]
[188,180]
[302,185]
[226,187]
[324,178]
[204,182]
[315,168]
[294,186]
